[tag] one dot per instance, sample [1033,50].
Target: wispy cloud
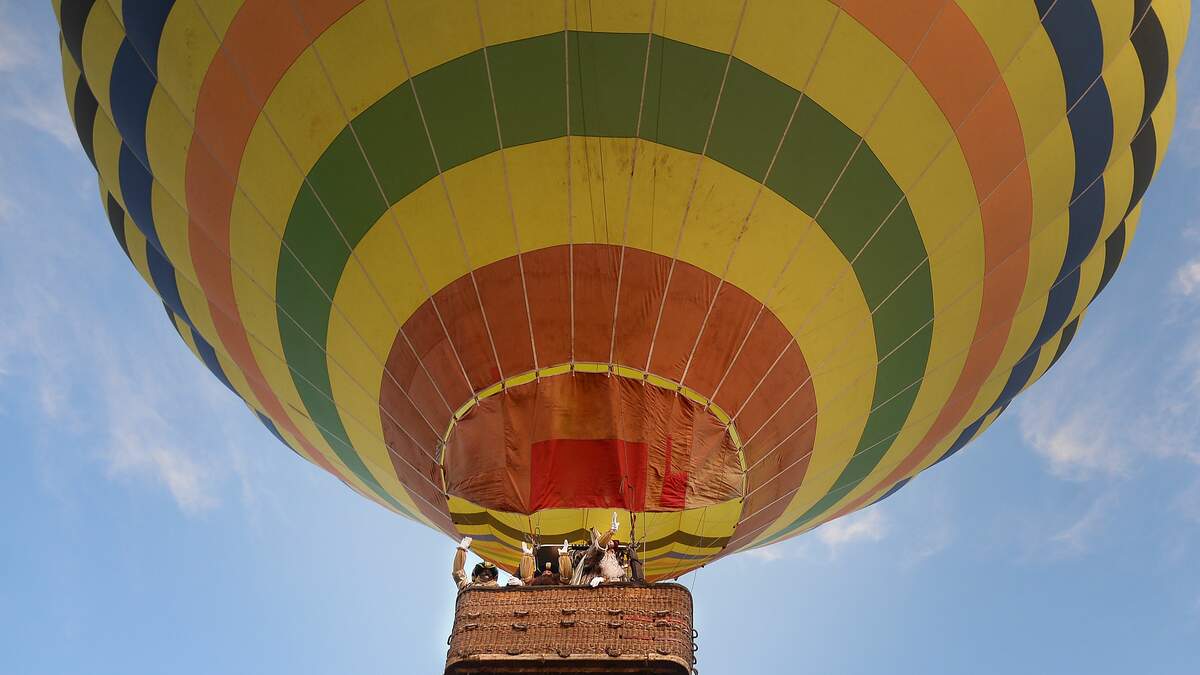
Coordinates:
[31,93]
[1108,413]
[867,525]
[15,49]
[1187,278]
[828,541]
[1187,502]
[1077,436]
[767,553]
[43,111]
[69,370]
[1076,537]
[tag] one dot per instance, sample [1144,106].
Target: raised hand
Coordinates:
[616,524]
[565,548]
[465,543]
[526,548]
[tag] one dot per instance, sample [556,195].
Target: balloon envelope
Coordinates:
[732,270]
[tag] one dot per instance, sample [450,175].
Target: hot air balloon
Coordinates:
[732,269]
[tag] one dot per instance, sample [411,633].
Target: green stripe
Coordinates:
[682,85]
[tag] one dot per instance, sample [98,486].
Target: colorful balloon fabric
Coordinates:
[732,269]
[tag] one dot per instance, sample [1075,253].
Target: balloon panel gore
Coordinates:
[591,440]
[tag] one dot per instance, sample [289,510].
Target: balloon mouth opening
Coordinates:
[594,436]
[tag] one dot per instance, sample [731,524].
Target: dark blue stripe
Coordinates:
[84,109]
[116,219]
[130,90]
[1017,380]
[266,422]
[209,356]
[1114,248]
[1150,43]
[1068,334]
[892,490]
[1092,128]
[1086,218]
[136,186]
[144,21]
[163,274]
[965,437]
[1074,31]
[73,15]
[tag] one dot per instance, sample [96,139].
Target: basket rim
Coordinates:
[672,585]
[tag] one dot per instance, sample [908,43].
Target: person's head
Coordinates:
[546,569]
[614,545]
[484,572]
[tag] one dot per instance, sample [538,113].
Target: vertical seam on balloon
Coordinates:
[449,204]
[612,343]
[757,195]
[512,213]
[695,181]
[570,187]
[745,226]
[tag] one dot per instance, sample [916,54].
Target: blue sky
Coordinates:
[149,524]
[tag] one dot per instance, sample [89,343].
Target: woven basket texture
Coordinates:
[572,629]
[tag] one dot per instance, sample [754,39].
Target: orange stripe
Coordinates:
[956,67]
[265,40]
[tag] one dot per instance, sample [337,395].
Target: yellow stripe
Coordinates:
[102,37]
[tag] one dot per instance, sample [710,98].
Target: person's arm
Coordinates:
[458,570]
[526,571]
[605,538]
[565,571]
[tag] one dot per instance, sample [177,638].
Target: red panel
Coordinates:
[460,311]
[585,473]
[642,279]
[674,484]
[595,288]
[547,280]
[504,303]
[687,300]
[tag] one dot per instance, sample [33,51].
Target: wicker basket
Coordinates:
[615,628]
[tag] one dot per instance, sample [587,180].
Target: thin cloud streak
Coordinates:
[1075,539]
[1103,417]
[79,379]
[868,525]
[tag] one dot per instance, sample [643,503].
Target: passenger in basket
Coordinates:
[601,562]
[526,568]
[485,573]
[565,566]
[546,578]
